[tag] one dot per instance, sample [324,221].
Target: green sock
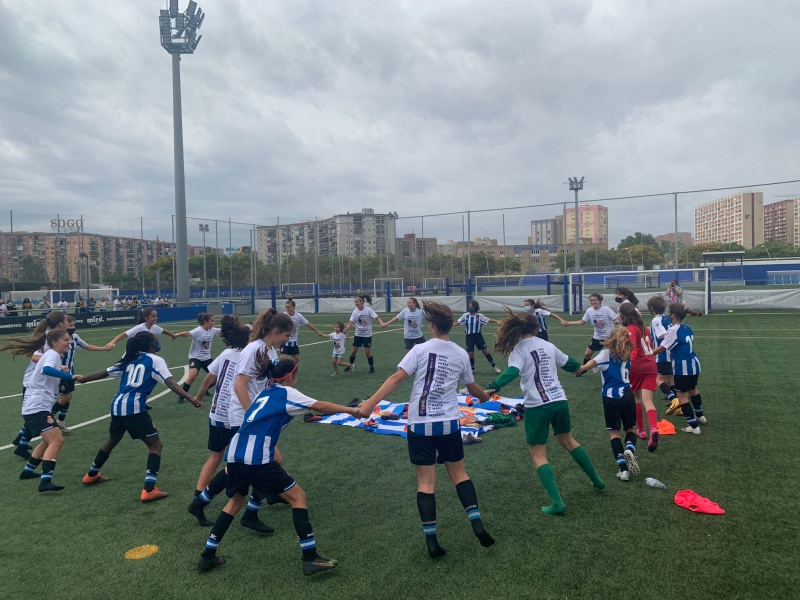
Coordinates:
[580,456]
[545,473]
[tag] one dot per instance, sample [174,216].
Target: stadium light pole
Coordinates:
[204,231]
[179,36]
[767,249]
[576,185]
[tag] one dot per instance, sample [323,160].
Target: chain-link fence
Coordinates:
[512,247]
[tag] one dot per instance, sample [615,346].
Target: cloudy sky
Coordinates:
[303,109]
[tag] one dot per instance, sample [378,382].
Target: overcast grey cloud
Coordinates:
[306,109]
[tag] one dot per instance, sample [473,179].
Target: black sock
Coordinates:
[221,525]
[472,362]
[186,387]
[153,466]
[490,359]
[697,404]
[55,407]
[617,451]
[48,466]
[62,411]
[585,360]
[630,440]
[426,504]
[667,391]
[352,359]
[305,533]
[218,484]
[688,412]
[98,463]
[469,500]
[371,362]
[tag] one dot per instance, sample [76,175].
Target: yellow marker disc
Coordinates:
[141,552]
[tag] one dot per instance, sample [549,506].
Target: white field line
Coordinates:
[108,415]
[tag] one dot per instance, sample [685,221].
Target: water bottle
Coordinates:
[655,483]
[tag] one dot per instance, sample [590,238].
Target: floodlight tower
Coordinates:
[576,185]
[179,36]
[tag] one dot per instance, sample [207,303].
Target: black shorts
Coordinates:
[411,342]
[620,413]
[220,437]
[475,340]
[36,423]
[290,350]
[684,383]
[197,363]
[542,334]
[267,479]
[423,449]
[139,426]
[595,345]
[664,368]
[66,386]
[362,342]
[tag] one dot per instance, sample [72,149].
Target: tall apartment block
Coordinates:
[737,219]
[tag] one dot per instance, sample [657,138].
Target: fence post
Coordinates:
[548,283]
[469,289]
[252,300]
[566,294]
[447,287]
[273,296]
[388,296]
[316,298]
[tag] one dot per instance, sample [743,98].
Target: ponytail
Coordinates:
[512,329]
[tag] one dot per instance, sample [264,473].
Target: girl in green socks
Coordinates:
[535,362]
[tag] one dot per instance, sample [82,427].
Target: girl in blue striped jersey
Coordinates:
[473,322]
[253,460]
[434,434]
[536,363]
[658,330]
[619,404]
[139,371]
[538,308]
[680,343]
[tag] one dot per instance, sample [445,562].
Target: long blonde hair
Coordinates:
[619,344]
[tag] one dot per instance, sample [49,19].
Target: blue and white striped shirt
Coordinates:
[68,359]
[473,323]
[137,381]
[679,341]
[541,315]
[658,330]
[614,373]
[268,415]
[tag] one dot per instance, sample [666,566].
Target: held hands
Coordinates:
[109,346]
[196,402]
[362,411]
[383,325]
[78,378]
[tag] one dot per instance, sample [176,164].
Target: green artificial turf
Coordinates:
[627,541]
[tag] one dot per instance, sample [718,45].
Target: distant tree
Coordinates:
[637,239]
[32,269]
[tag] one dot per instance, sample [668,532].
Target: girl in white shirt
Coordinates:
[433,420]
[200,349]
[536,363]
[362,316]
[147,322]
[602,318]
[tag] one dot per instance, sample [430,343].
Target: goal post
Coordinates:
[433,284]
[303,289]
[395,286]
[644,284]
